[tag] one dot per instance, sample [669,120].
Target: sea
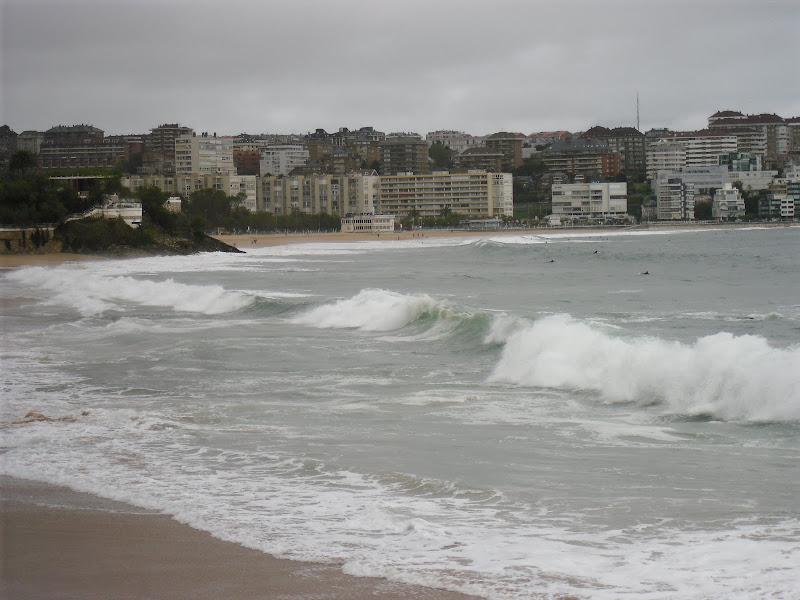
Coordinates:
[605,415]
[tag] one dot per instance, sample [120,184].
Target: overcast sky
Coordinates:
[479,66]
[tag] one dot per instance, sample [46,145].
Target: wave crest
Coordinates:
[91,294]
[371,310]
[728,377]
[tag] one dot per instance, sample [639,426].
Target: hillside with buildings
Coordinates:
[739,166]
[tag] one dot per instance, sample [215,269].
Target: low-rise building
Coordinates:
[727,203]
[368,223]
[594,202]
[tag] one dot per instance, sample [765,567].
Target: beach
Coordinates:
[58,543]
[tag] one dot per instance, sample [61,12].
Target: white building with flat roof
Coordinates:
[590,201]
[368,223]
[474,193]
[727,203]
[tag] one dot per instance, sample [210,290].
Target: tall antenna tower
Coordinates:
[637,111]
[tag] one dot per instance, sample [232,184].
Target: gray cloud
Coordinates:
[295,65]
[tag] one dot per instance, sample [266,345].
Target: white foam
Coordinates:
[728,377]
[90,293]
[369,310]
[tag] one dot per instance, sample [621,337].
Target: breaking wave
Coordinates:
[371,310]
[386,311]
[723,376]
[91,294]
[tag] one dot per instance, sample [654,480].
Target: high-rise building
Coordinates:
[204,154]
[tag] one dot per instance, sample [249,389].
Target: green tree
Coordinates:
[23,162]
[442,156]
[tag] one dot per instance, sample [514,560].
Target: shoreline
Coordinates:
[58,543]
[246,241]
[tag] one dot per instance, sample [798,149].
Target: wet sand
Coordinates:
[57,543]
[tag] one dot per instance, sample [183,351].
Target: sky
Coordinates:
[478,66]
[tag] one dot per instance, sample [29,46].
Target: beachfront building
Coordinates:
[590,202]
[675,200]
[478,193]
[368,223]
[727,204]
[282,159]
[317,193]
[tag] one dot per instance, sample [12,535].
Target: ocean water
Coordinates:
[514,416]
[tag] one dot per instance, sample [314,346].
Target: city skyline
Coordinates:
[291,67]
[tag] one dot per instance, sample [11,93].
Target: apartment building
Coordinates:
[186,183]
[594,202]
[675,201]
[78,146]
[727,203]
[585,157]
[664,155]
[474,193]
[457,141]
[480,158]
[204,154]
[769,131]
[703,148]
[332,194]
[404,153]
[281,159]
[509,145]
[628,141]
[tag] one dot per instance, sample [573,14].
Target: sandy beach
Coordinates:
[249,241]
[57,543]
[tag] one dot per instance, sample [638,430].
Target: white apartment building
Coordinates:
[675,201]
[332,194]
[280,159]
[703,179]
[664,155]
[456,140]
[204,155]
[474,193]
[590,201]
[703,147]
[727,204]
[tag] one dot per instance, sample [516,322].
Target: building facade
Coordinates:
[675,200]
[204,154]
[727,204]
[332,194]
[475,193]
[593,202]
[282,159]
[404,153]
